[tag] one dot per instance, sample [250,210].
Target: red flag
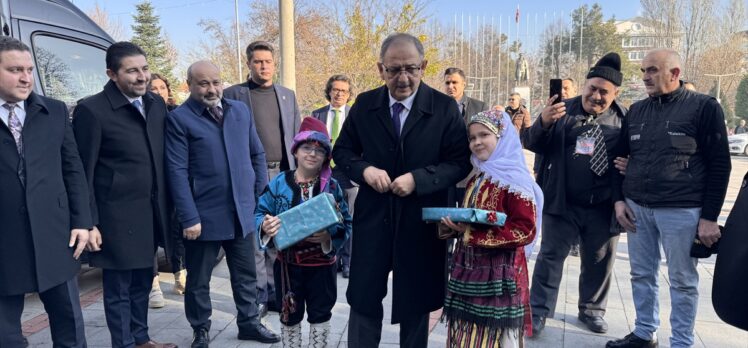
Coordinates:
[516,15]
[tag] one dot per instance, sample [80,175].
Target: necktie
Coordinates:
[397,108]
[138,105]
[217,114]
[335,125]
[15,126]
[14,123]
[599,161]
[335,130]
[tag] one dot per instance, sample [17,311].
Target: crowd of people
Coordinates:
[134,172]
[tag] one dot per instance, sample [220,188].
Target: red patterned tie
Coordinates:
[217,114]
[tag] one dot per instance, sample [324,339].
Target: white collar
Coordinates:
[407,102]
[21,104]
[341,109]
[130,100]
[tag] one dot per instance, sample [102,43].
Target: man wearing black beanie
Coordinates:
[575,138]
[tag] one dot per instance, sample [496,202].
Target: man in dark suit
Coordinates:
[120,135]
[338,92]
[406,143]
[454,85]
[277,116]
[43,206]
[216,167]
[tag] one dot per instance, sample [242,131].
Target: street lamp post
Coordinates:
[288,51]
[719,83]
[238,43]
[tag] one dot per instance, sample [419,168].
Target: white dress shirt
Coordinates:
[407,105]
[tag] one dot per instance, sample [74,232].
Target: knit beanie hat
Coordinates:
[314,131]
[609,68]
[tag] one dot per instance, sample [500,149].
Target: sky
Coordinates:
[179,18]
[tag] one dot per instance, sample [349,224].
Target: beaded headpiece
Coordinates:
[491,119]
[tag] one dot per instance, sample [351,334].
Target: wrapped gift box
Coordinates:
[469,215]
[318,213]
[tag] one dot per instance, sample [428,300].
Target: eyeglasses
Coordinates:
[308,150]
[410,70]
[339,91]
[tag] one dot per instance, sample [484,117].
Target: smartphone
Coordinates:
[555,89]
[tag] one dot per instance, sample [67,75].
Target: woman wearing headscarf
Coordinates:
[487,303]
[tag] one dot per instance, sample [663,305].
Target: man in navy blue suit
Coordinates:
[216,166]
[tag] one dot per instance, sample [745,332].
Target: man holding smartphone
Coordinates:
[575,138]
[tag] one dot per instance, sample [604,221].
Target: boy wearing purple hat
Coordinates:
[307,270]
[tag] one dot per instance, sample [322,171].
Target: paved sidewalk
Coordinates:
[168,324]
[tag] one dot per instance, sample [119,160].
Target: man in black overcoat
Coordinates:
[404,163]
[730,277]
[120,135]
[43,204]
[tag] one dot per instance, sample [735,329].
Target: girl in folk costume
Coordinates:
[307,270]
[488,298]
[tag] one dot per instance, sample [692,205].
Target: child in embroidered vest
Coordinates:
[306,271]
[488,302]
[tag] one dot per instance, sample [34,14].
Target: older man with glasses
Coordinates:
[406,144]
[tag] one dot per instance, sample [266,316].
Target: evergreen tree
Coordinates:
[741,99]
[598,36]
[148,36]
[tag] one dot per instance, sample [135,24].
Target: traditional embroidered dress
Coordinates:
[487,303]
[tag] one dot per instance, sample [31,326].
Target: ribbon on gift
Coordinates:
[468,215]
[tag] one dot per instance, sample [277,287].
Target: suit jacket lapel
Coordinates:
[323,114]
[421,107]
[118,100]
[286,115]
[382,111]
[35,108]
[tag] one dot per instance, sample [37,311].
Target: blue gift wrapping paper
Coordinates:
[469,215]
[318,213]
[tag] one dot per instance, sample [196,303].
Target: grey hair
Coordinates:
[671,57]
[397,37]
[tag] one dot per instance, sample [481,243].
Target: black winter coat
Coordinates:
[123,155]
[37,219]
[389,232]
[730,276]
[551,175]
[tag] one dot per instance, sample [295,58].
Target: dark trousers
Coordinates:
[597,245]
[126,305]
[345,251]
[63,308]
[366,332]
[177,254]
[314,289]
[200,258]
